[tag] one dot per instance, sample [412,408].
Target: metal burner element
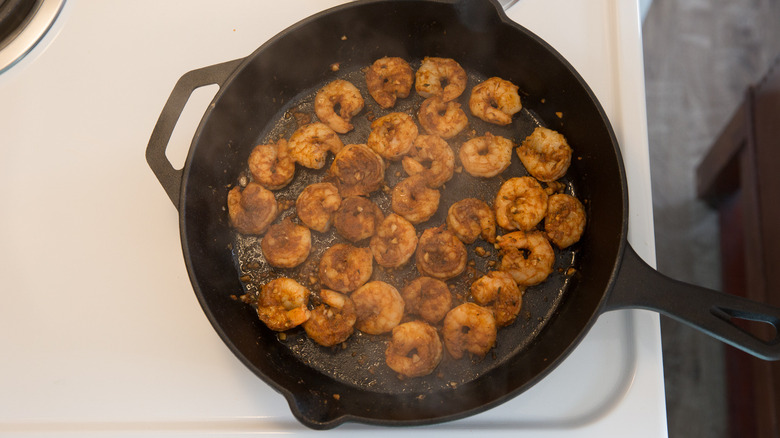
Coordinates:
[22,25]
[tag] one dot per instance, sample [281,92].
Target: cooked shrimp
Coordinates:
[471,218]
[440,254]
[309,144]
[445,119]
[521,203]
[317,204]
[271,165]
[252,210]
[341,94]
[392,135]
[414,200]
[379,307]
[358,218]
[527,256]
[427,297]
[286,245]
[333,321]
[282,303]
[440,77]
[358,170]
[345,268]
[495,101]
[389,78]
[565,220]
[432,158]
[394,242]
[414,350]
[499,290]
[486,156]
[469,328]
[545,154]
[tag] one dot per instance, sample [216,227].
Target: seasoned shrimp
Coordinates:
[499,290]
[317,204]
[521,203]
[358,170]
[445,119]
[389,78]
[309,144]
[469,328]
[271,165]
[358,218]
[427,297]
[392,135]
[565,220]
[333,321]
[345,268]
[379,307]
[414,200]
[545,154]
[486,156]
[414,350]
[252,210]
[527,256]
[440,254]
[440,77]
[282,303]
[495,101]
[471,218]
[341,94]
[432,158]
[286,245]
[394,242]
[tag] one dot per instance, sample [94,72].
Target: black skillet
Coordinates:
[325,387]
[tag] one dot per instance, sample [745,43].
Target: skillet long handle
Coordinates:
[640,286]
[170,177]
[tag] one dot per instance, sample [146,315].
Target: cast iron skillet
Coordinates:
[325,388]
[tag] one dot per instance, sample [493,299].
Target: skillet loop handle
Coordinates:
[170,177]
[640,286]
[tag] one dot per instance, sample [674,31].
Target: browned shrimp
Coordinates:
[432,158]
[317,204]
[252,210]
[345,268]
[333,321]
[521,203]
[414,350]
[440,254]
[394,242]
[527,256]
[392,135]
[414,200]
[495,101]
[565,220]
[358,170]
[469,328]
[286,245]
[379,307]
[309,144]
[545,154]
[499,291]
[440,77]
[282,304]
[471,218]
[427,297]
[486,156]
[271,165]
[389,78]
[341,94]
[358,218]
[445,119]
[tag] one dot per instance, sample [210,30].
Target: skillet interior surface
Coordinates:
[325,386]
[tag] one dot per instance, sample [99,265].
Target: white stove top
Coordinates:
[100,331]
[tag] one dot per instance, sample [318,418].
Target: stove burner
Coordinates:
[22,25]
